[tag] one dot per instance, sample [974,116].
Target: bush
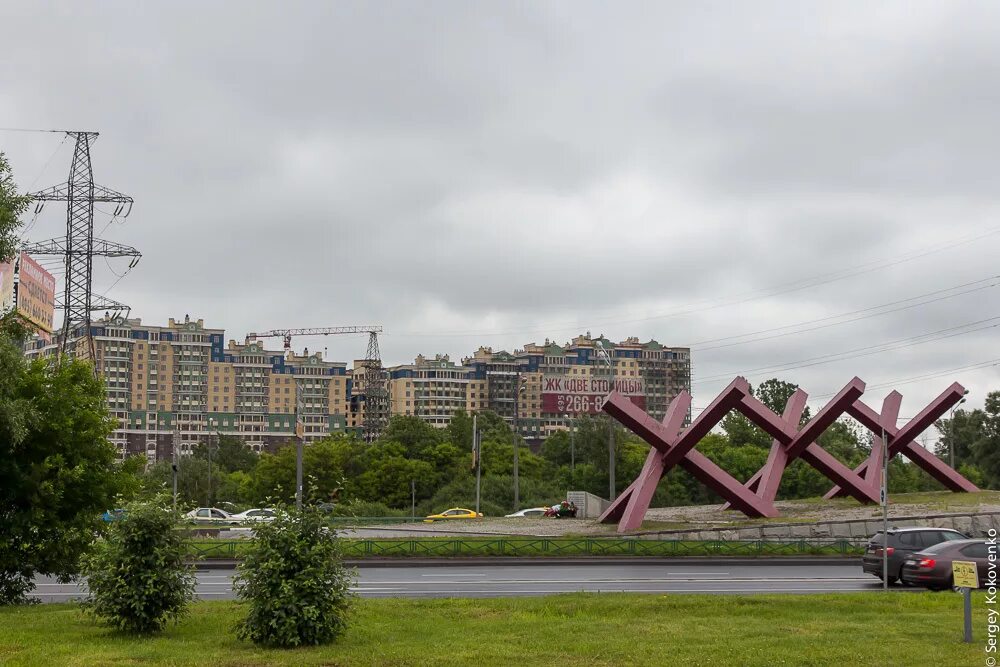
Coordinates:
[496,495]
[137,577]
[297,588]
[367,508]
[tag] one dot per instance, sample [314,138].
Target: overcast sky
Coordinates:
[469,173]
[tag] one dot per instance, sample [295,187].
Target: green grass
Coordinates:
[425,547]
[898,628]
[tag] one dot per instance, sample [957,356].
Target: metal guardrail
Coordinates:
[422,548]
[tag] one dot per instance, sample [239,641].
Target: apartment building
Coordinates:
[177,385]
[432,389]
[564,381]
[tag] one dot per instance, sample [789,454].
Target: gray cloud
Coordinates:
[470,174]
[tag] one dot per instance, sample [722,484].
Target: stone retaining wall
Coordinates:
[974,525]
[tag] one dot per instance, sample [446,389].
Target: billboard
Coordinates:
[573,396]
[36,294]
[6,287]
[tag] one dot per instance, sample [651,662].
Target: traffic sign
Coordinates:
[964,574]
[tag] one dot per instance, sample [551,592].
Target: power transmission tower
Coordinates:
[79,247]
[374,388]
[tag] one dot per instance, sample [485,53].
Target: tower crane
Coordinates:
[374,386]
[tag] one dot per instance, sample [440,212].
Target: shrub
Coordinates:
[367,508]
[297,588]
[137,577]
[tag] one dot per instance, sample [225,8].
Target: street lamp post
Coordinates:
[519,388]
[951,428]
[211,497]
[173,465]
[572,446]
[611,425]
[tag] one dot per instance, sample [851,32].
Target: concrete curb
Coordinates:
[472,561]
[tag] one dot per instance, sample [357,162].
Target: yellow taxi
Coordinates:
[453,513]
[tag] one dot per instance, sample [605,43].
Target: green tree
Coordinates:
[229,454]
[960,433]
[192,480]
[295,588]
[137,576]
[773,393]
[986,448]
[58,471]
[325,465]
[12,205]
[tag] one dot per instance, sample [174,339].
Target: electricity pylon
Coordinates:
[79,247]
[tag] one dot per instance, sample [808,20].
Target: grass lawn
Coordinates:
[899,628]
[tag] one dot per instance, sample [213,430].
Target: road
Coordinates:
[514,580]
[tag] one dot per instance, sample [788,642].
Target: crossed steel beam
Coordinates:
[671,447]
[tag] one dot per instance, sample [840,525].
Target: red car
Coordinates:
[931,567]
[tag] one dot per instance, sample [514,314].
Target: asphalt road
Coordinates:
[514,580]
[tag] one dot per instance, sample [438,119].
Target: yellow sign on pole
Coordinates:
[964,573]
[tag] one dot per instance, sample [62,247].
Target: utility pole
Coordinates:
[885,511]
[519,388]
[79,247]
[413,499]
[298,444]
[572,446]
[173,465]
[476,456]
[951,427]
[211,496]
[611,424]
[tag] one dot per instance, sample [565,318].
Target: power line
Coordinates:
[980,365]
[26,129]
[888,346]
[737,299]
[695,346]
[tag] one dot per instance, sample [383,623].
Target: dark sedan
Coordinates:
[931,567]
[902,542]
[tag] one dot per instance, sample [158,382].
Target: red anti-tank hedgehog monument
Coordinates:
[672,446]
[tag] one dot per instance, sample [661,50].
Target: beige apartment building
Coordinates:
[178,385]
[172,387]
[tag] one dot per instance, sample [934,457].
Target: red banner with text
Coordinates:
[573,396]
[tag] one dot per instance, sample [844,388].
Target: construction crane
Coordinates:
[373,382]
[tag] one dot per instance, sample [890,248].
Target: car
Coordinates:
[254,515]
[901,544]
[453,513]
[931,567]
[211,516]
[113,515]
[531,511]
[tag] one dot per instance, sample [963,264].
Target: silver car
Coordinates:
[254,516]
[211,516]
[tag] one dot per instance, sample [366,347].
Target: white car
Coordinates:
[211,515]
[254,515]
[531,511]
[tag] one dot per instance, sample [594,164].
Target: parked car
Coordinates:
[453,513]
[211,516]
[531,511]
[113,515]
[901,544]
[254,515]
[931,567]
